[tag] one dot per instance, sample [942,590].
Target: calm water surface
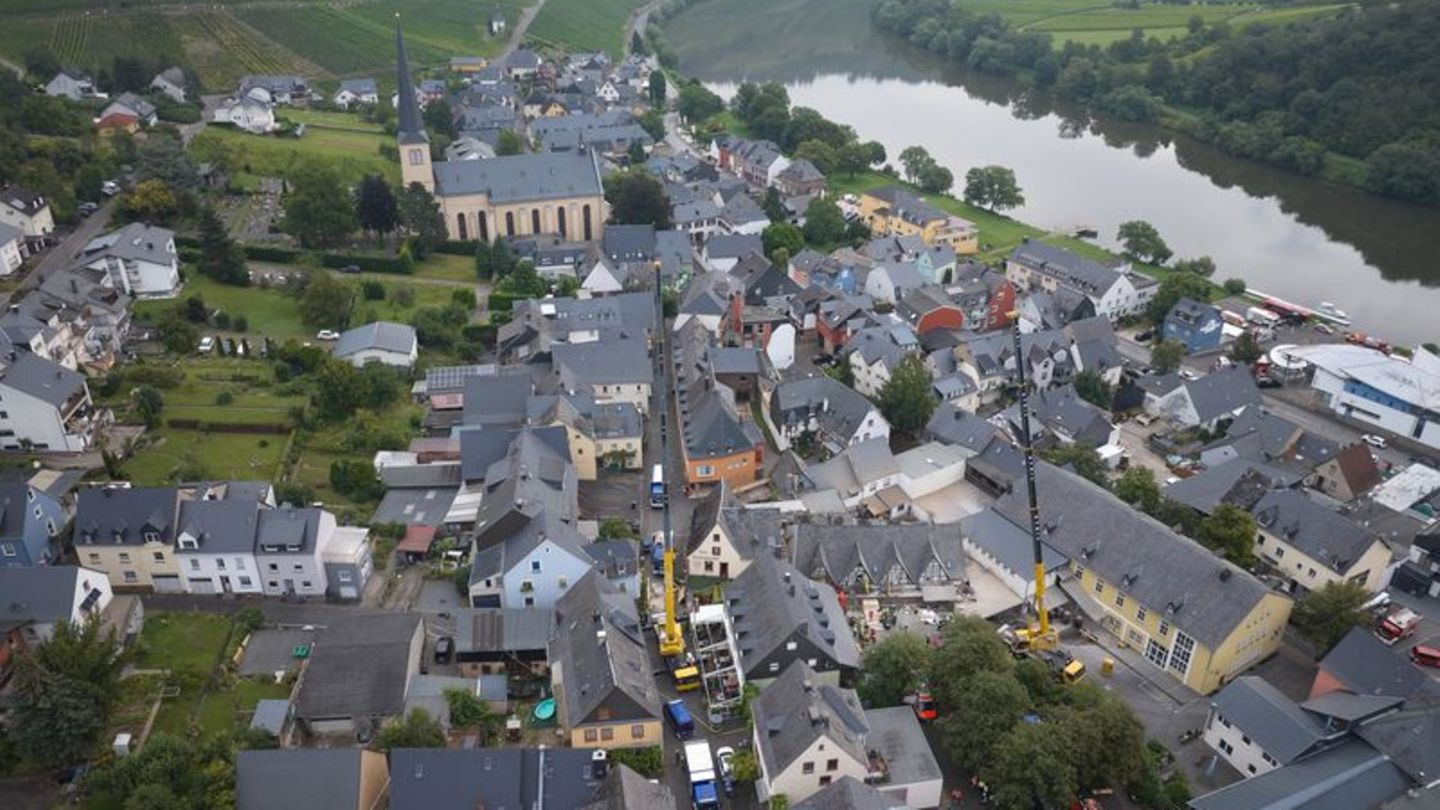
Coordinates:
[1299,238]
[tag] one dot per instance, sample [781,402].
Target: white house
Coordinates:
[531,568]
[73,86]
[878,350]
[1205,402]
[38,598]
[1256,729]
[216,546]
[140,259]
[289,549]
[393,344]
[43,405]
[602,278]
[249,114]
[27,211]
[170,83]
[821,406]
[1115,292]
[807,735]
[12,243]
[888,281]
[724,537]
[356,91]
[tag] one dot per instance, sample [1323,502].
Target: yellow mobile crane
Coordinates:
[1037,638]
[672,638]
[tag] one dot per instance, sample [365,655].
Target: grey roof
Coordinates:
[796,710]
[1410,737]
[1061,410]
[359,87]
[624,789]
[1349,776]
[502,629]
[48,382]
[415,506]
[1189,311]
[221,527]
[951,425]
[22,199]
[613,670]
[1281,729]
[1349,707]
[1363,665]
[1227,483]
[741,209]
[494,778]
[908,205]
[9,233]
[481,448]
[1320,533]
[733,245]
[887,343]
[769,611]
[839,553]
[534,477]
[1260,435]
[287,530]
[433,474]
[895,733]
[319,778]
[359,666]
[1070,269]
[380,335]
[104,514]
[1008,544]
[623,361]
[711,425]
[1198,592]
[1222,392]
[270,715]
[498,400]
[515,545]
[410,128]
[43,593]
[849,793]
[837,408]
[139,106]
[629,242]
[736,360]
[522,178]
[134,242]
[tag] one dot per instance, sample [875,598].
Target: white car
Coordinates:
[1187,374]
[327,334]
[723,755]
[1374,441]
[110,188]
[207,345]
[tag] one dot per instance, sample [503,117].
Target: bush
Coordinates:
[240,323]
[648,762]
[224,398]
[222,320]
[372,290]
[456,248]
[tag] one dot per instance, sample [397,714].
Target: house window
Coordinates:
[832,764]
[790,646]
[417,157]
[307,584]
[1155,654]
[1279,552]
[8,550]
[274,567]
[607,734]
[343,576]
[1140,613]
[273,584]
[124,557]
[1164,628]
[637,732]
[1224,721]
[807,767]
[1227,747]
[220,563]
[194,564]
[131,577]
[94,558]
[1119,600]
[774,666]
[709,566]
[159,556]
[1180,654]
[529,601]
[1099,587]
[824,780]
[705,470]
[591,735]
[715,550]
[245,581]
[535,566]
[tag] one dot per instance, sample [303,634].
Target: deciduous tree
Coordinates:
[509,142]
[1081,458]
[637,198]
[993,187]
[894,667]
[782,235]
[1137,487]
[915,159]
[824,224]
[420,216]
[317,209]
[1231,531]
[1142,242]
[905,399]
[1092,388]
[326,302]
[984,712]
[1166,356]
[416,730]
[1326,614]
[375,206]
[1031,767]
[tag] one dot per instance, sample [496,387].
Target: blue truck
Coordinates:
[703,792]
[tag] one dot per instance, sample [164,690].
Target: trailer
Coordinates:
[701,765]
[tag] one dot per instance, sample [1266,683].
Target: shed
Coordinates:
[415,547]
[270,716]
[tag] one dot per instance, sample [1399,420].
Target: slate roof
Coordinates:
[492,778]
[1008,544]
[1070,269]
[44,593]
[895,733]
[595,668]
[522,178]
[1281,729]
[837,553]
[1061,410]
[1349,776]
[1198,592]
[514,546]
[733,245]
[796,710]
[22,199]
[288,531]
[359,87]
[498,400]
[134,242]
[318,778]
[767,612]
[221,527]
[1260,435]
[907,205]
[1365,666]
[9,233]
[48,382]
[751,531]
[502,629]
[849,793]
[1228,483]
[415,506]
[952,425]
[711,426]
[103,513]
[624,789]
[629,242]
[839,409]
[1222,392]
[884,343]
[380,335]
[1311,528]
[1410,737]
[359,666]
[612,362]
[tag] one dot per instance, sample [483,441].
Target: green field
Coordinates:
[584,25]
[1100,23]
[195,455]
[352,153]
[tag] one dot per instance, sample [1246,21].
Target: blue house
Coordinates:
[29,518]
[1196,325]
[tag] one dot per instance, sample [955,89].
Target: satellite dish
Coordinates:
[781,348]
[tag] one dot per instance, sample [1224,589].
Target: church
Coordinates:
[555,193]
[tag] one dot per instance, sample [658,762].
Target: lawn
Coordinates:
[184,643]
[447,267]
[228,709]
[352,153]
[584,25]
[997,232]
[250,386]
[191,455]
[321,447]
[329,119]
[270,313]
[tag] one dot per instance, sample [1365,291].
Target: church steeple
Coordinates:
[410,133]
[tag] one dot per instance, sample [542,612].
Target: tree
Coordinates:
[698,103]
[469,711]
[992,187]
[439,118]
[420,216]
[416,730]
[1142,242]
[876,153]
[782,235]
[1246,349]
[375,206]
[894,667]
[220,257]
[1174,287]
[326,302]
[1203,266]
[1234,286]
[1326,614]
[1031,767]
[1166,356]
[969,646]
[915,159]
[657,88]
[62,694]
[161,156]
[824,224]
[317,209]
[151,201]
[822,154]
[852,157]
[635,155]
[1107,743]
[509,142]
[1137,487]
[616,528]
[149,403]
[1081,458]
[986,709]
[1092,388]
[340,389]
[179,335]
[936,179]
[774,206]
[905,399]
[1230,530]
[745,766]
[637,198]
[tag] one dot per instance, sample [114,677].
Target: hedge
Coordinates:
[369,264]
[227,427]
[504,302]
[457,248]
[270,253]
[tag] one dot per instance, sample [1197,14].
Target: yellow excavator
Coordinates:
[1037,638]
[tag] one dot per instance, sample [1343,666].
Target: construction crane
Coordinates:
[672,640]
[1037,635]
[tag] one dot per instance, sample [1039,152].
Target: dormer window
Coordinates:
[119,536]
[152,537]
[187,542]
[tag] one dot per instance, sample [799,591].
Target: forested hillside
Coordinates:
[1354,95]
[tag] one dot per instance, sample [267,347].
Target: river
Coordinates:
[1296,237]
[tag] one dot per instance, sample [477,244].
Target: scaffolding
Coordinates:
[713,644]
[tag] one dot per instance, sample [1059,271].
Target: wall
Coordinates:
[706,552]
[737,469]
[138,560]
[36,420]
[1310,574]
[797,785]
[389,358]
[495,222]
[622,735]
[1238,749]
[558,570]
[200,572]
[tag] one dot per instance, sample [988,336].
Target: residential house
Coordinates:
[358,674]
[989,360]
[614,371]
[317,778]
[276,89]
[725,538]
[500,641]
[128,534]
[131,105]
[1194,325]
[861,473]
[888,282]
[600,669]
[759,163]
[1256,729]
[39,598]
[116,122]
[1206,402]
[1312,546]
[1349,474]
[926,308]
[742,215]
[355,92]
[1195,616]
[532,567]
[1058,416]
[717,442]
[893,211]
[1350,774]
[1265,438]
[951,424]
[723,251]
[247,113]
[782,617]
[12,248]
[171,83]
[70,84]
[348,563]
[140,260]
[827,411]
[884,561]
[849,793]
[1115,292]
[1386,391]
[29,212]
[29,518]
[524,476]
[392,344]
[289,543]
[538,778]
[995,544]
[876,351]
[800,179]
[216,546]
[466,65]
[538,325]
[840,318]
[47,407]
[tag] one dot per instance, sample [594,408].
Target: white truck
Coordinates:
[702,774]
[1261,316]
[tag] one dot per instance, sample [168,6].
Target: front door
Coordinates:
[225,584]
[289,586]
[724,570]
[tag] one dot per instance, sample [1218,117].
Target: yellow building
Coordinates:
[1311,546]
[555,193]
[129,534]
[893,211]
[1200,619]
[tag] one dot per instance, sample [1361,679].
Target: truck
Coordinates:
[1400,623]
[701,765]
[1262,317]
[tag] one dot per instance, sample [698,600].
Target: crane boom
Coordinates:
[672,641]
[1040,634]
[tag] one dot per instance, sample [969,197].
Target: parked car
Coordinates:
[1375,441]
[350,268]
[207,345]
[444,647]
[327,334]
[1144,337]
[110,188]
[1425,656]
[723,755]
[1187,374]
[87,208]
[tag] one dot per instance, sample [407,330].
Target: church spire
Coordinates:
[410,128]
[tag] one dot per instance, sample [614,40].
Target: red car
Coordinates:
[1425,656]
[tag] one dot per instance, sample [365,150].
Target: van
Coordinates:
[680,720]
